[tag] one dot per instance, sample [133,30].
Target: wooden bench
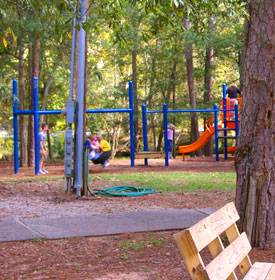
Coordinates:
[224,260]
[142,155]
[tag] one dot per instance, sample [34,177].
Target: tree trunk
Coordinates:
[189,67]
[134,69]
[22,119]
[45,97]
[160,138]
[35,73]
[255,195]
[49,141]
[240,64]
[116,135]
[150,97]
[208,84]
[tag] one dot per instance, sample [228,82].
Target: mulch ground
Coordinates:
[132,256]
[192,165]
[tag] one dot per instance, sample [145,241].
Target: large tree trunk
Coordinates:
[22,119]
[189,67]
[35,73]
[240,64]
[208,84]
[255,196]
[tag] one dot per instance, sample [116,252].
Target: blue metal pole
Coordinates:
[224,119]
[165,123]
[236,119]
[132,139]
[102,111]
[15,127]
[36,124]
[216,132]
[49,112]
[23,112]
[144,129]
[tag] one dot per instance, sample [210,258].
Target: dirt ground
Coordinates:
[191,165]
[132,256]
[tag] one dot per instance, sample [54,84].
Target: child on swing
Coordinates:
[94,151]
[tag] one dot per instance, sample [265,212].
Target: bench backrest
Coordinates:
[207,232]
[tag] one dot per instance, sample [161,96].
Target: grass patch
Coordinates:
[141,245]
[34,179]
[173,182]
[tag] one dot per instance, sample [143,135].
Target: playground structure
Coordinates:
[75,113]
[37,112]
[227,125]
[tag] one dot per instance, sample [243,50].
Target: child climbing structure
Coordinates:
[213,128]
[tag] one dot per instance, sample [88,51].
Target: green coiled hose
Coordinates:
[127,191]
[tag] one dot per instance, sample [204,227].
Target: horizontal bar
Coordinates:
[42,112]
[190,111]
[153,112]
[119,110]
[49,112]
[88,111]
[198,110]
[23,112]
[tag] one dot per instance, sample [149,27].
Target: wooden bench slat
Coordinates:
[271,274]
[259,271]
[232,233]
[192,259]
[143,155]
[211,227]
[216,247]
[225,263]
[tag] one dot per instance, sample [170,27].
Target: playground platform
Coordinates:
[13,229]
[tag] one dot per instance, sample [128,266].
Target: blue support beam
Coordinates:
[165,124]
[131,105]
[216,131]
[15,127]
[101,111]
[36,125]
[224,119]
[236,119]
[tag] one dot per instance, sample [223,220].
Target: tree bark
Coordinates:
[22,119]
[189,67]
[35,73]
[208,83]
[255,195]
[134,69]
[150,97]
[49,141]
[45,97]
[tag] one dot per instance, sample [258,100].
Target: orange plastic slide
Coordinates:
[204,138]
[231,149]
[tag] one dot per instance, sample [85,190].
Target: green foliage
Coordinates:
[58,145]
[154,28]
[6,147]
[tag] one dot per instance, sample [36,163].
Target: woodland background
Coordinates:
[174,53]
